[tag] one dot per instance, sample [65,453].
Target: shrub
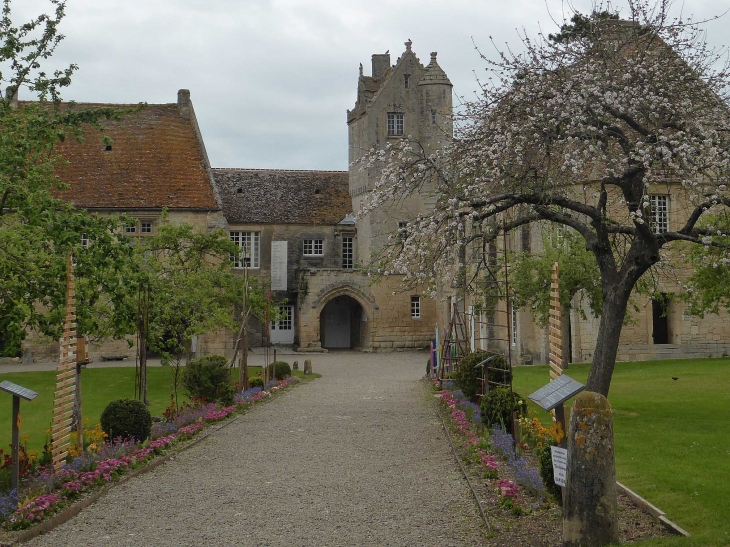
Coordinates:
[209,378]
[469,377]
[496,407]
[545,463]
[126,418]
[256,381]
[279,370]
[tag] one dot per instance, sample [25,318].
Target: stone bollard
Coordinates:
[307,366]
[295,366]
[590,514]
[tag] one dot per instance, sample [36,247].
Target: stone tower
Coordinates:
[399,101]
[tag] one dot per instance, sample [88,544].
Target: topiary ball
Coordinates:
[256,381]
[279,369]
[126,418]
[497,407]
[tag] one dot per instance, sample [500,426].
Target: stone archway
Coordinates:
[343,324]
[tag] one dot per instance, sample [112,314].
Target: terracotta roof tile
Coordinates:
[263,196]
[156,160]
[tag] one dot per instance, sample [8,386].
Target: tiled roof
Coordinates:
[157,159]
[272,196]
[434,74]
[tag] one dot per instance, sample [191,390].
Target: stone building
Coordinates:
[299,233]
[155,160]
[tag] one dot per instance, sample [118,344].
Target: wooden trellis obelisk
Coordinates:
[65,394]
[555,329]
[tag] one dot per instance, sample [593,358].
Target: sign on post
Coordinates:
[560,464]
[17,392]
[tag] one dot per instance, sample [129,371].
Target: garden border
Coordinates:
[437,408]
[652,509]
[76,508]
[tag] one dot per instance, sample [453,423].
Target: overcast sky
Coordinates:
[271,80]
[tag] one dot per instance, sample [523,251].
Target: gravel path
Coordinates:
[356,457]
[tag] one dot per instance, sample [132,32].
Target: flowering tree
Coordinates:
[581,129]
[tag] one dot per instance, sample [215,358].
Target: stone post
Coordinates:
[590,514]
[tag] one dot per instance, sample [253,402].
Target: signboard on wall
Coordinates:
[278,265]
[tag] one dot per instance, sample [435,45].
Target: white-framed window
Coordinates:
[313,247]
[395,124]
[250,245]
[514,327]
[146,227]
[407,81]
[416,307]
[659,213]
[130,229]
[84,240]
[284,321]
[348,254]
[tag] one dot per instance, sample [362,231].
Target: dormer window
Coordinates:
[395,124]
[407,81]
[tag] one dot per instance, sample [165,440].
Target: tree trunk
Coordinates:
[609,333]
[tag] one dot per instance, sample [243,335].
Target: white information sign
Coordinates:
[278,265]
[560,464]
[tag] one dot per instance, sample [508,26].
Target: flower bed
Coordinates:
[44,492]
[483,448]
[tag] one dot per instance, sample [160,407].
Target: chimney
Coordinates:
[183,103]
[11,93]
[381,63]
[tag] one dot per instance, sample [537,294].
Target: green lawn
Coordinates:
[98,387]
[671,444]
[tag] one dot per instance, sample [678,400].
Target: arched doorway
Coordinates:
[343,324]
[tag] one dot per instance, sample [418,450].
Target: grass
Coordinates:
[99,386]
[671,444]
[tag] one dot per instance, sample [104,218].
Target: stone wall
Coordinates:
[387,310]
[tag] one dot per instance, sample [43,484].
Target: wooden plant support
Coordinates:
[65,394]
[555,336]
[555,332]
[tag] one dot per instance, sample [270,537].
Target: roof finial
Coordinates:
[433,56]
[360,70]
[408,45]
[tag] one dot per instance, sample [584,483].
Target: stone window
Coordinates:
[130,229]
[313,247]
[416,307]
[250,244]
[347,253]
[659,220]
[407,81]
[395,124]
[146,227]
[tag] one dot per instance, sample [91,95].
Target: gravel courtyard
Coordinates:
[356,457]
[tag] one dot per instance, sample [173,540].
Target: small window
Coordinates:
[347,253]
[146,227]
[395,124]
[407,81]
[514,327]
[433,117]
[313,247]
[84,240]
[659,213]
[131,229]
[416,307]
[402,230]
[249,243]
